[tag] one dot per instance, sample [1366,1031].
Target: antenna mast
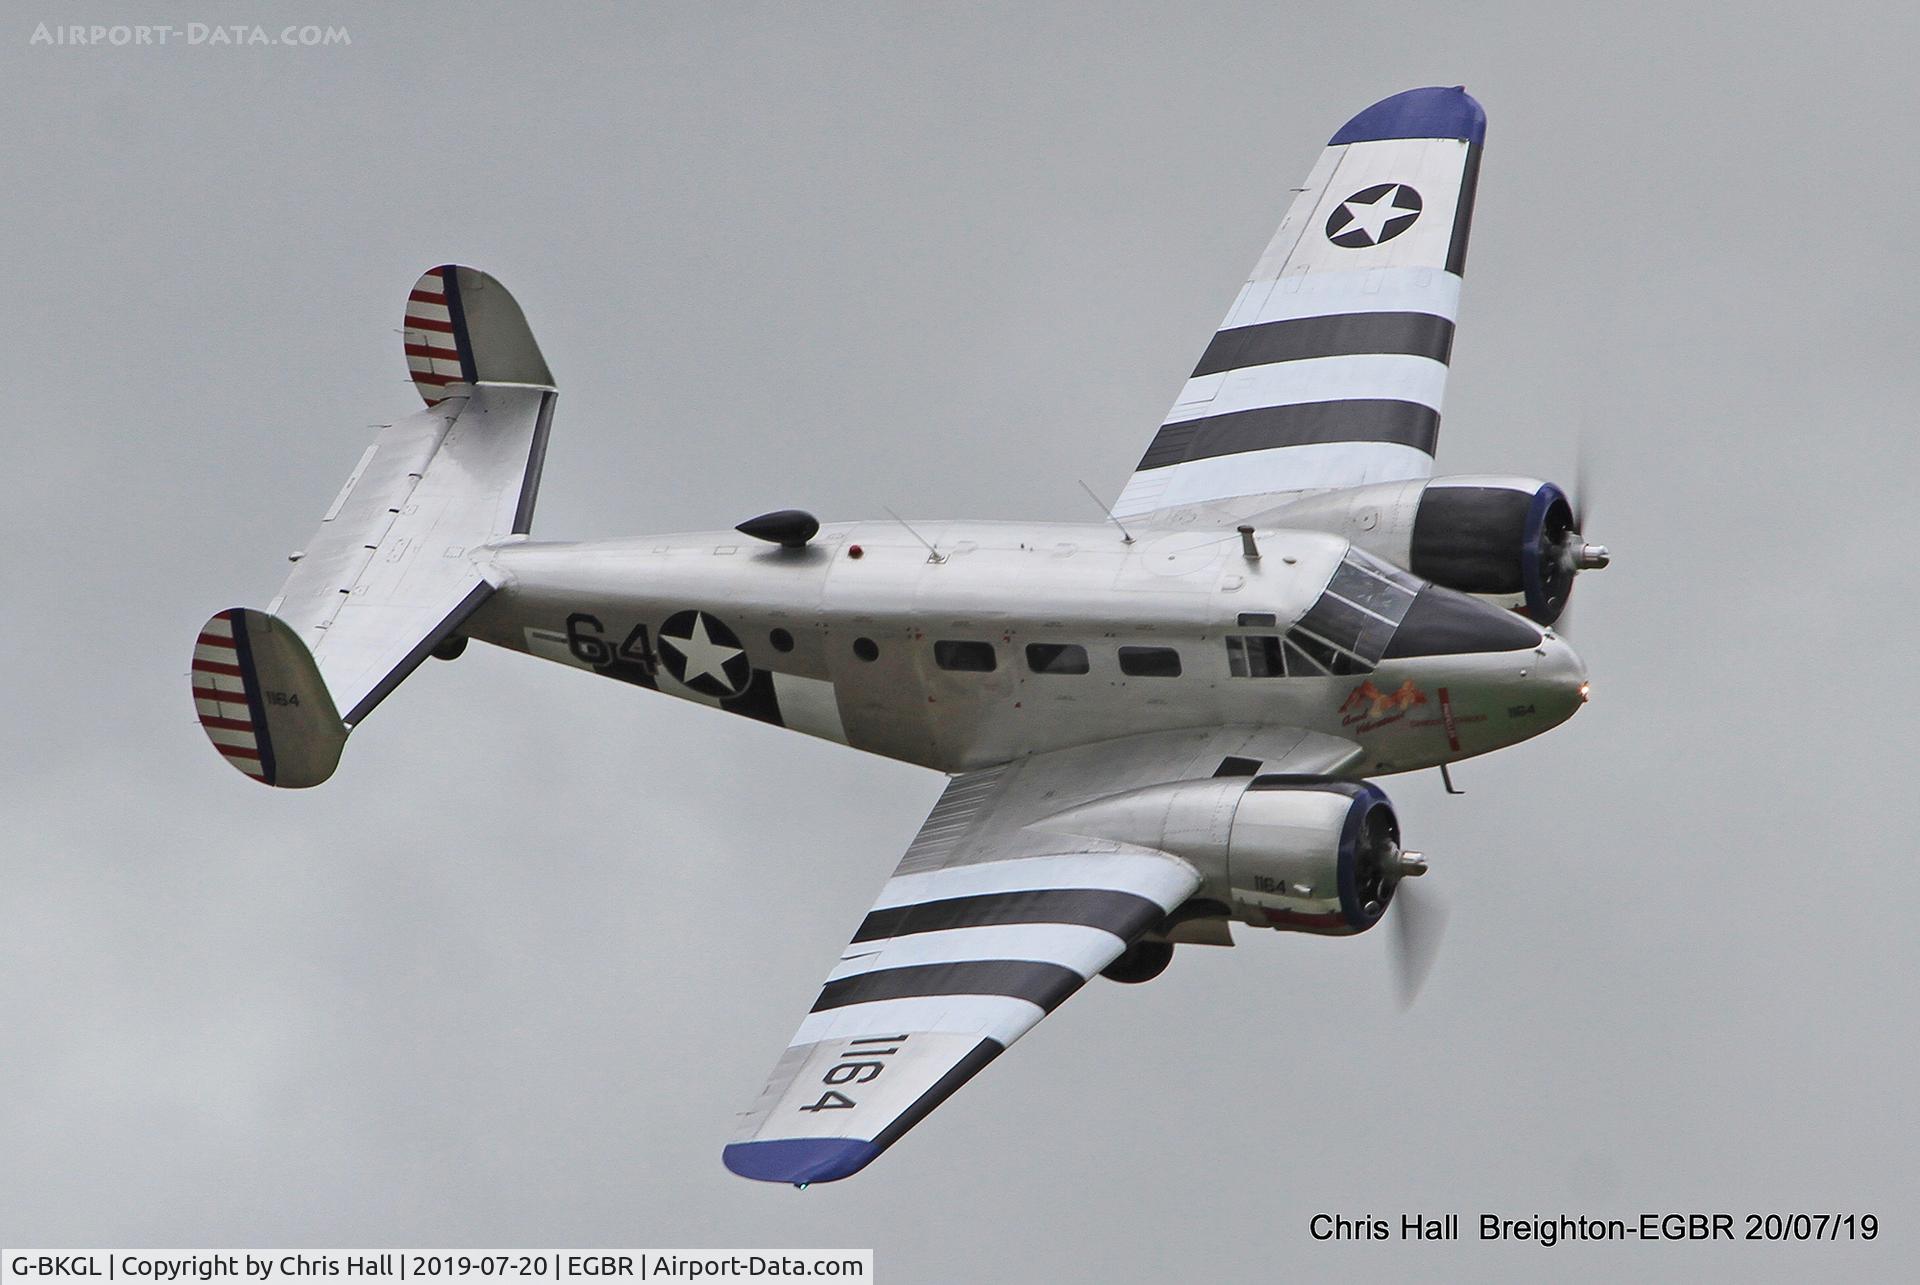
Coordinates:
[933,554]
[1125,536]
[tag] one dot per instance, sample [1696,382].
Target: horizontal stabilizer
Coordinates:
[262,701]
[401,559]
[392,570]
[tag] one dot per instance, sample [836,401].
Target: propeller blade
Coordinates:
[1419,922]
[1582,484]
[1581,555]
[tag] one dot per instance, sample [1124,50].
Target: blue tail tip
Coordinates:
[799,1160]
[1434,112]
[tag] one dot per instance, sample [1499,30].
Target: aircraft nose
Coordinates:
[1561,671]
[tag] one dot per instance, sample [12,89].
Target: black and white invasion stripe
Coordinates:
[1333,367]
[1330,368]
[989,949]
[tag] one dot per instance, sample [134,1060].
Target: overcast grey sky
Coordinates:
[506,978]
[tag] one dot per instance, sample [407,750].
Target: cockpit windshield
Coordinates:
[1345,632]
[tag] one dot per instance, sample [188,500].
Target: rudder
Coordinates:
[463,328]
[262,702]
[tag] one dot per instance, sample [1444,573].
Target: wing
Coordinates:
[1329,368]
[989,923]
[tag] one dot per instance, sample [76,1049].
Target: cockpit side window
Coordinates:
[1355,617]
[1307,657]
[1255,656]
[1345,631]
[1363,604]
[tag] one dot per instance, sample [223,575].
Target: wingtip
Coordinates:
[799,1160]
[1433,112]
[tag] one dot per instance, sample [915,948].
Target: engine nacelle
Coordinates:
[1498,536]
[1315,856]
[1287,852]
[1511,539]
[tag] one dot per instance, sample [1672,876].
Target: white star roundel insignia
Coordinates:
[1372,215]
[704,655]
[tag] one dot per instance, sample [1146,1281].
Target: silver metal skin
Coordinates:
[1154,726]
[1010,584]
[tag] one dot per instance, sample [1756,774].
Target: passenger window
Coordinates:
[1057,658]
[1150,662]
[968,657]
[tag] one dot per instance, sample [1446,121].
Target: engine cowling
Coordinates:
[1293,853]
[1498,536]
[1511,539]
[1314,856]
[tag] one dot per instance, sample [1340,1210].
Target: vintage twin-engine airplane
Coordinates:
[1154,725]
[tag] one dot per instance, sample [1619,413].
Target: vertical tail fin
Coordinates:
[262,701]
[463,327]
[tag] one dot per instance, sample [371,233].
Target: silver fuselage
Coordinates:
[860,630]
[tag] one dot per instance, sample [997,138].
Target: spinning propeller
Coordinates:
[1419,922]
[1576,554]
[1564,550]
[1419,919]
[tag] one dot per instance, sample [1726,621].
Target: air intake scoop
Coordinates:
[788,528]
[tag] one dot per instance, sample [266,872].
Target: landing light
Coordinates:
[1585,688]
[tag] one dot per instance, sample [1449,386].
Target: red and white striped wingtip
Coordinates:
[439,354]
[228,710]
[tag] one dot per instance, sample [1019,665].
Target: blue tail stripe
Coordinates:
[250,681]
